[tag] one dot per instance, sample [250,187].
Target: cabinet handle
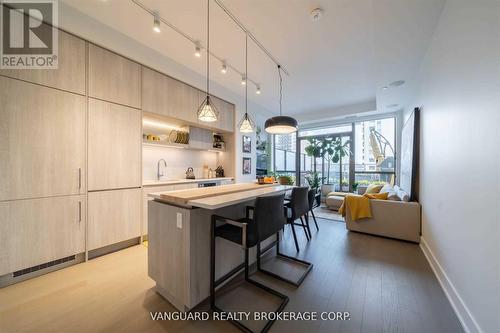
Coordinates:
[79,211]
[79,178]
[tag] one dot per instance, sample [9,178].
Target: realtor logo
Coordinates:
[29,39]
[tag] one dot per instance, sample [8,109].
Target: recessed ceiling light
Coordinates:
[392,105]
[397,83]
[385,87]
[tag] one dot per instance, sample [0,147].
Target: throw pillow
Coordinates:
[392,195]
[403,196]
[372,188]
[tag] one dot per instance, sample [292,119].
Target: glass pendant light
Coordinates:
[246,124]
[281,124]
[207,111]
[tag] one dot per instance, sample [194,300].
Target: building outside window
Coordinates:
[371,144]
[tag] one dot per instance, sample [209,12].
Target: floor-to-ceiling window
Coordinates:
[374,152]
[285,154]
[370,158]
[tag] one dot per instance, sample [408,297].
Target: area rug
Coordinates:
[327,214]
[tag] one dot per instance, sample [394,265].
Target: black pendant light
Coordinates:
[281,124]
[207,111]
[246,124]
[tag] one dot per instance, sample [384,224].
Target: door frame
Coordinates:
[351,136]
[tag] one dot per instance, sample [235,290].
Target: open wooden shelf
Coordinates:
[178,145]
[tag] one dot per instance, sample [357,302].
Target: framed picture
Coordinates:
[247,165]
[247,144]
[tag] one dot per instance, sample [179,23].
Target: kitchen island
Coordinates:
[179,238]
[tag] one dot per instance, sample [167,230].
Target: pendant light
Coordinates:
[281,124]
[207,111]
[246,124]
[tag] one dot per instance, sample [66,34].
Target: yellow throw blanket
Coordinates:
[359,205]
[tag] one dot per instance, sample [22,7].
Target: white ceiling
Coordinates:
[338,63]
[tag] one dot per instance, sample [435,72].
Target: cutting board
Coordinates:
[182,197]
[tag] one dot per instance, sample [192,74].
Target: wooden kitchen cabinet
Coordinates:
[114,78]
[42,141]
[36,231]
[169,97]
[115,143]
[113,216]
[70,74]
[200,138]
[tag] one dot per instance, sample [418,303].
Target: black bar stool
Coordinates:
[268,218]
[313,203]
[298,208]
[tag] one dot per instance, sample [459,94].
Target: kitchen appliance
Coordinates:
[190,173]
[210,184]
[219,172]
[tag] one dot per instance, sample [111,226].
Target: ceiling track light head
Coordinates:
[224,68]
[197,50]
[156,22]
[257,91]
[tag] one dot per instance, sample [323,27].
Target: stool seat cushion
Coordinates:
[233,233]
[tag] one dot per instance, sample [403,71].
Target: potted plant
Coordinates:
[330,148]
[286,180]
[314,181]
[355,187]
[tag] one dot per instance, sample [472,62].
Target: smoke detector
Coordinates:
[316,14]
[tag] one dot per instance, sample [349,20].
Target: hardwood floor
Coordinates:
[386,285]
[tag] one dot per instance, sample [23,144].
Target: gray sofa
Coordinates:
[395,219]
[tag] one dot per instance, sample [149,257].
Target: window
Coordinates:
[374,151]
[284,153]
[370,159]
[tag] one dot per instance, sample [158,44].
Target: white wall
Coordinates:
[459,91]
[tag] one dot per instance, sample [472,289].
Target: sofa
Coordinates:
[395,217]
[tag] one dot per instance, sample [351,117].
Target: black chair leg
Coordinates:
[212,264]
[305,228]
[282,256]
[284,298]
[294,236]
[307,225]
[314,218]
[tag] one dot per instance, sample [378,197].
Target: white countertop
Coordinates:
[182,181]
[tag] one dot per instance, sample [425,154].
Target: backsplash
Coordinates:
[178,160]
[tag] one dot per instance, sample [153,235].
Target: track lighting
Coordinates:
[224,68]
[207,111]
[197,51]
[246,124]
[258,90]
[156,22]
[243,80]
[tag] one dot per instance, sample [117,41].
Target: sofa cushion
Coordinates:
[337,194]
[373,188]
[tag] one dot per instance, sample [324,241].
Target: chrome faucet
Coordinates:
[158,174]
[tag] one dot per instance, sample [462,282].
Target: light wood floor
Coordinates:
[386,285]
